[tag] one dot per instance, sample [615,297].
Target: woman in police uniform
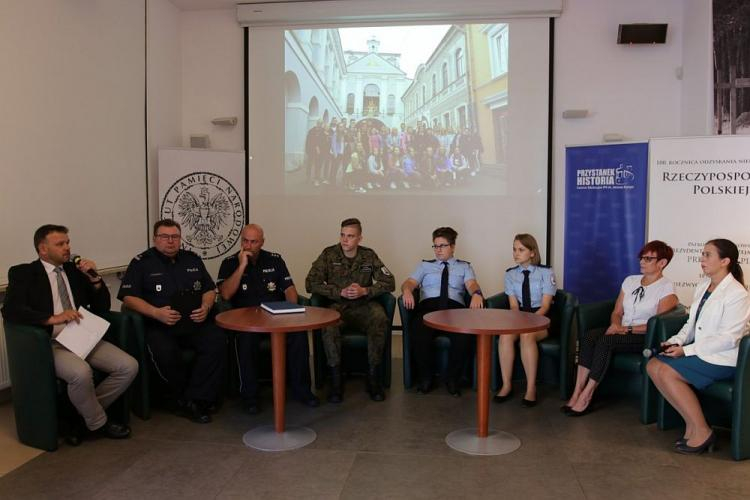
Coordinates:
[530,287]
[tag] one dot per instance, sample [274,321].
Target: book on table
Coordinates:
[282,307]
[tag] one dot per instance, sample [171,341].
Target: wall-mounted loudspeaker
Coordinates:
[200,141]
[642,33]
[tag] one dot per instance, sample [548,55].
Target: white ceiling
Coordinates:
[220,4]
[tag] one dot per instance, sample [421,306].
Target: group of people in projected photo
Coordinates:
[366,155]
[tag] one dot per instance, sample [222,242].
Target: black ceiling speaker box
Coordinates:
[642,33]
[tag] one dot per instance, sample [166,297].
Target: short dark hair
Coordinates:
[448,233]
[41,233]
[352,221]
[166,223]
[661,249]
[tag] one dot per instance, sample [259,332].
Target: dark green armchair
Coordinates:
[441,347]
[40,399]
[627,371]
[354,344]
[725,403]
[557,351]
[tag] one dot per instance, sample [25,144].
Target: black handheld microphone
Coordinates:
[653,351]
[76,259]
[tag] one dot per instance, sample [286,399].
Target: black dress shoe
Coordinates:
[574,413]
[502,399]
[454,389]
[209,406]
[112,430]
[707,445]
[424,386]
[527,403]
[193,412]
[74,438]
[307,398]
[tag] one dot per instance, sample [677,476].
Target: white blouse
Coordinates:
[641,302]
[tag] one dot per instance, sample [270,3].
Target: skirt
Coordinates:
[700,374]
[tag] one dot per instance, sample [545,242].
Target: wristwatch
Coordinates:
[478,291]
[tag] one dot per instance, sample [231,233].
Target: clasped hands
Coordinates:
[353,291]
[170,316]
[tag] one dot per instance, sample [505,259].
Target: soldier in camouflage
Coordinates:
[350,276]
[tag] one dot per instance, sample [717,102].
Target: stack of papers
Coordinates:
[80,338]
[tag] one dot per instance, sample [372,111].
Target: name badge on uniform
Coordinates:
[158,288]
[366,268]
[244,286]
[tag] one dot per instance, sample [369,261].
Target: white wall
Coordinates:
[212,79]
[164,76]
[630,90]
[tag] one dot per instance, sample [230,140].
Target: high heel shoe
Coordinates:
[680,441]
[564,409]
[502,399]
[708,445]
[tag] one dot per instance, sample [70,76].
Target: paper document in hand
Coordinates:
[80,338]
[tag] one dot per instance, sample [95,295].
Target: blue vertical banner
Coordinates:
[605,217]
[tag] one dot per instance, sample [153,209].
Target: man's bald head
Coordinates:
[252,239]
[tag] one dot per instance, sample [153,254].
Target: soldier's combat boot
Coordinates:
[337,385]
[373,385]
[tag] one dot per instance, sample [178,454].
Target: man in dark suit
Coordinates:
[48,293]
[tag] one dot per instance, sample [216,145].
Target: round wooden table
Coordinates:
[484,323]
[257,320]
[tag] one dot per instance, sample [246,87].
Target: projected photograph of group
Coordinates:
[422,109]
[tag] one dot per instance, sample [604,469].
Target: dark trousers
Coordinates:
[205,378]
[297,363]
[596,350]
[423,341]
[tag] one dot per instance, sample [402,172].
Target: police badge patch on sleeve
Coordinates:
[385,271]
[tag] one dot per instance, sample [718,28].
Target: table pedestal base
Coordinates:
[496,442]
[265,438]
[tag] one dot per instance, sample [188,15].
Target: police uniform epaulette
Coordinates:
[139,256]
[511,268]
[543,266]
[230,257]
[188,252]
[274,254]
[464,261]
[429,260]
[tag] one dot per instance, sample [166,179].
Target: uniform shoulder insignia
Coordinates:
[138,257]
[511,268]
[230,257]
[429,260]
[274,254]
[190,252]
[542,266]
[464,261]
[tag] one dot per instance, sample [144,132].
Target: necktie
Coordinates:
[444,286]
[526,291]
[62,290]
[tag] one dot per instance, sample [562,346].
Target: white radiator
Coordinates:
[4,373]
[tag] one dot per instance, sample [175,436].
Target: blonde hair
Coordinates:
[529,242]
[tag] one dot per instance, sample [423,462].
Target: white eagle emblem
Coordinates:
[203,216]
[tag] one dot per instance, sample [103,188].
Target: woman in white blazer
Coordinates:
[705,349]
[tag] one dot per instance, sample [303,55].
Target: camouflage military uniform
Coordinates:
[331,272]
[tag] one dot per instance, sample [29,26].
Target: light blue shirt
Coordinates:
[430,272]
[541,282]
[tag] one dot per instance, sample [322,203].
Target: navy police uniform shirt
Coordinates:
[541,282]
[155,278]
[429,273]
[264,281]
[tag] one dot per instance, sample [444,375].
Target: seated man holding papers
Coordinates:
[54,292]
[252,277]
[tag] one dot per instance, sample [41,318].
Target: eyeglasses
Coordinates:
[440,246]
[167,237]
[648,258]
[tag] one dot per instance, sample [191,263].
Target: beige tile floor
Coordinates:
[12,453]
[389,450]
